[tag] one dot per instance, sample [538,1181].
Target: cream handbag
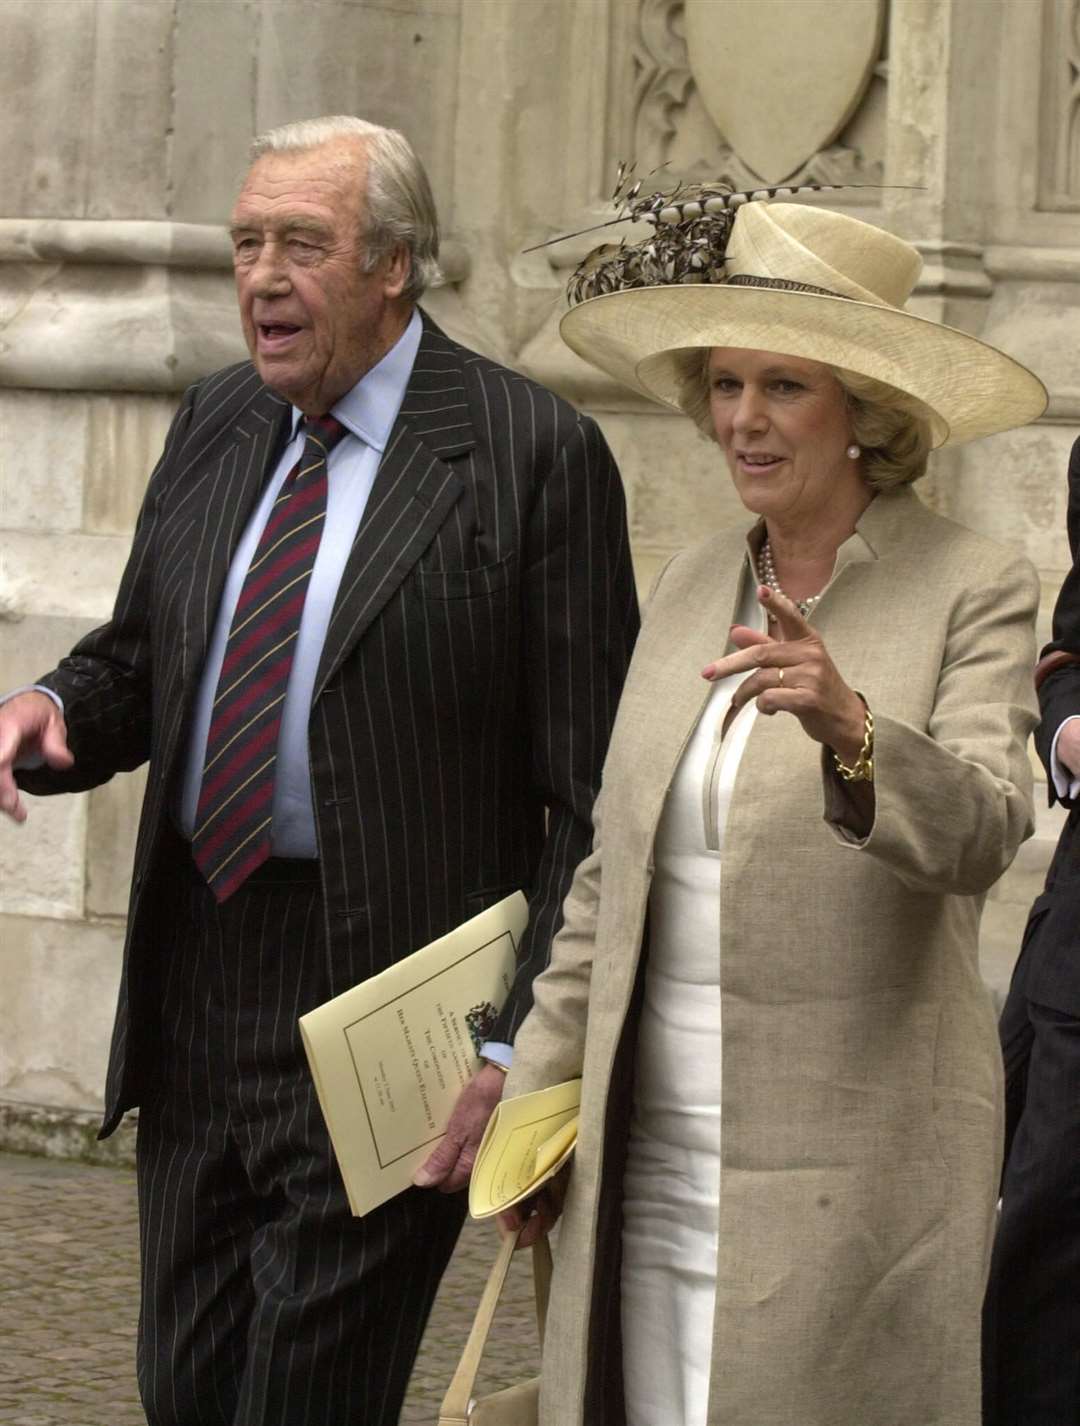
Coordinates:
[515,1405]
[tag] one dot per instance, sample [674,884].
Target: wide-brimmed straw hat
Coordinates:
[807,282]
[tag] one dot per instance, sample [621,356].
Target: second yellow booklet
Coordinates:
[527,1141]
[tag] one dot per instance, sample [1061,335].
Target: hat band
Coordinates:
[783,284]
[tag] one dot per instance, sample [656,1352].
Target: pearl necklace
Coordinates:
[768,575]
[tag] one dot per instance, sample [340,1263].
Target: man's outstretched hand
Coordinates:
[31,726]
[450,1163]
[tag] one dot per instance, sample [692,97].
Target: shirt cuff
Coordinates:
[30,763]
[497,1053]
[1065,784]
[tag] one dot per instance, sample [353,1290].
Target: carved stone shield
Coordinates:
[781,78]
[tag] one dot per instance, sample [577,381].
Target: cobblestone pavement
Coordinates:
[69,1300]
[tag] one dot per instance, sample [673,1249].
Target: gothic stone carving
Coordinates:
[705,65]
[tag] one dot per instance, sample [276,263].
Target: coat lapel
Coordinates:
[686,627]
[413,493]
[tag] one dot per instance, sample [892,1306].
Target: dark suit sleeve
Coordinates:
[105,682]
[1059,690]
[580,620]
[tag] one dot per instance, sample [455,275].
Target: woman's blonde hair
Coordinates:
[888,424]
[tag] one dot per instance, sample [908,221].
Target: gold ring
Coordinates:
[779,676]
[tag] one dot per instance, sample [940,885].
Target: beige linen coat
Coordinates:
[861,1108]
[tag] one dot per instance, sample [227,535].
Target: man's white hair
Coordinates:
[398,201]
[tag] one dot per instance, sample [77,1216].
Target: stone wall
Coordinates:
[127,123]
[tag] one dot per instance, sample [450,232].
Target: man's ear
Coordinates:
[396,272]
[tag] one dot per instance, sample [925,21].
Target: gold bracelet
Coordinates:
[862,769]
[505,1069]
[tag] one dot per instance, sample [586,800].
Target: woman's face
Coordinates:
[784,427]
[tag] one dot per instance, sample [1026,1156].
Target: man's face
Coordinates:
[313,321]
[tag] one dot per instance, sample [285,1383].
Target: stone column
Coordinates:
[106,306]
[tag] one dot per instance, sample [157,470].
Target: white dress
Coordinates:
[671,1189]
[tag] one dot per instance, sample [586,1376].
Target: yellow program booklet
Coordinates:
[390,1056]
[527,1141]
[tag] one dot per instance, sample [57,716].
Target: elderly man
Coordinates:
[370,637]
[1031,1347]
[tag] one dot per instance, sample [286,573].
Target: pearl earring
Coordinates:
[853,451]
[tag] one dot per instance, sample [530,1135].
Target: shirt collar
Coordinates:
[370,409]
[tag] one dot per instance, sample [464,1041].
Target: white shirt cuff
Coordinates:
[497,1052]
[1065,784]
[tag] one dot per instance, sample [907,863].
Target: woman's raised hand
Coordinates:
[793,673]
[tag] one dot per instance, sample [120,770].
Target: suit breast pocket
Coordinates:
[478,583]
[469,633]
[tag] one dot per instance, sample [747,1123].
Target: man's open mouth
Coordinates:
[277,331]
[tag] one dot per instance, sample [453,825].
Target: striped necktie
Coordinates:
[232,821]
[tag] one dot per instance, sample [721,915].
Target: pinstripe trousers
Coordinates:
[264,1302]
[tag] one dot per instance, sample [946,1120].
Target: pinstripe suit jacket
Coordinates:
[467,685]
[1052,942]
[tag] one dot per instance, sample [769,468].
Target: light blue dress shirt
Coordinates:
[368,411]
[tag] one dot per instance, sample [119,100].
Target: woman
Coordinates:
[780,1208]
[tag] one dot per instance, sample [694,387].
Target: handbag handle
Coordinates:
[455,1407]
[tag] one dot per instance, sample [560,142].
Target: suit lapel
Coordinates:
[414,490]
[233,439]
[226,478]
